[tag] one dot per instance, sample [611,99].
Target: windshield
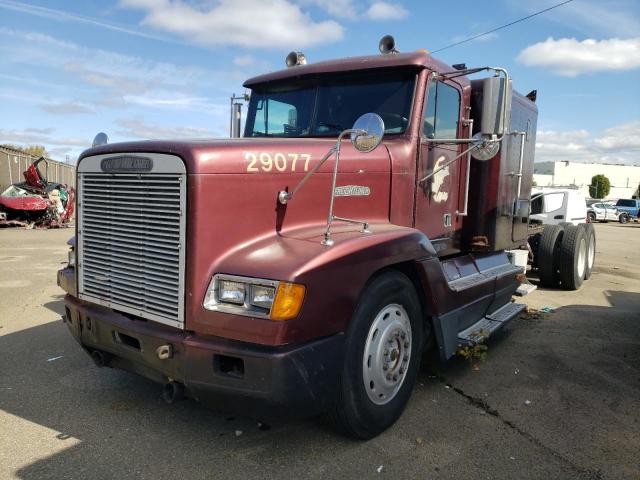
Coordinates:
[326,106]
[626,203]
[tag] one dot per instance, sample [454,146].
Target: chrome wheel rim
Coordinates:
[387,353]
[592,253]
[582,254]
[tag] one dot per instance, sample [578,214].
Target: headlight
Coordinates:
[231,292]
[262,296]
[254,297]
[72,258]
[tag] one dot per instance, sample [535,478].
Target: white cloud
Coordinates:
[386,11]
[61,15]
[176,100]
[619,144]
[246,23]
[337,8]
[244,60]
[484,38]
[67,108]
[44,136]
[118,80]
[139,129]
[570,57]
[590,17]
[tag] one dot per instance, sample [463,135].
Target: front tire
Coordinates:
[623,218]
[383,348]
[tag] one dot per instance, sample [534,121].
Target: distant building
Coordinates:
[624,179]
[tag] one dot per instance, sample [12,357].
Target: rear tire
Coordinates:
[384,339]
[590,234]
[549,256]
[592,217]
[573,257]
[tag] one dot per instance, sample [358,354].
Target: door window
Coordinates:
[442,111]
[553,202]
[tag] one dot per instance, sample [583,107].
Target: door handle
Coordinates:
[558,217]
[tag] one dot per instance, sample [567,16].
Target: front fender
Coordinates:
[334,277]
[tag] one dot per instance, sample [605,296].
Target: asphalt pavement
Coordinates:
[557,397]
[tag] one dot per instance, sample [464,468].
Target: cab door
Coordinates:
[439,198]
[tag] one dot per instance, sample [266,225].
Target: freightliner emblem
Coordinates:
[126,163]
[352,191]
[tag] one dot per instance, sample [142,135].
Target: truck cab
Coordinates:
[365,214]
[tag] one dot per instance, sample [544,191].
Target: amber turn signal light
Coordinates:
[288,301]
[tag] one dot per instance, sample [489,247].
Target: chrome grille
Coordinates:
[131,234]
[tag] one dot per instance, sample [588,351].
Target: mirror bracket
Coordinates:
[366,135]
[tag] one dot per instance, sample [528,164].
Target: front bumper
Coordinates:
[254,380]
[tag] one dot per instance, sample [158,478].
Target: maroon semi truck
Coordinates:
[365,216]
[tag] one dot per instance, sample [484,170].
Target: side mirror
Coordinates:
[496,105]
[373,126]
[484,150]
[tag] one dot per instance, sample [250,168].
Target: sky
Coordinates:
[140,69]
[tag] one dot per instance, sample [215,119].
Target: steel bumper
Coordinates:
[254,380]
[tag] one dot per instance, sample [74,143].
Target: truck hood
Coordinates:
[272,156]
[232,206]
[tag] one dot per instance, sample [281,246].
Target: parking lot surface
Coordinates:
[557,397]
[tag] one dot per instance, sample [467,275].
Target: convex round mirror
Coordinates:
[372,124]
[100,139]
[485,149]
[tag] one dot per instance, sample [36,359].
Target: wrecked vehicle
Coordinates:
[37,203]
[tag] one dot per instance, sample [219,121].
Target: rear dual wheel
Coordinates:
[383,347]
[549,255]
[590,234]
[573,257]
[566,255]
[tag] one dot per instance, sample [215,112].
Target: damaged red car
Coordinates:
[37,202]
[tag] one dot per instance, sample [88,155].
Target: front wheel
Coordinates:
[623,218]
[383,347]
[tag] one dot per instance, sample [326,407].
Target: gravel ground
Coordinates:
[558,396]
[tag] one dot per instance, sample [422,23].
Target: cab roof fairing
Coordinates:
[418,60]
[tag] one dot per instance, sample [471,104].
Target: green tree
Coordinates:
[33,150]
[600,186]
